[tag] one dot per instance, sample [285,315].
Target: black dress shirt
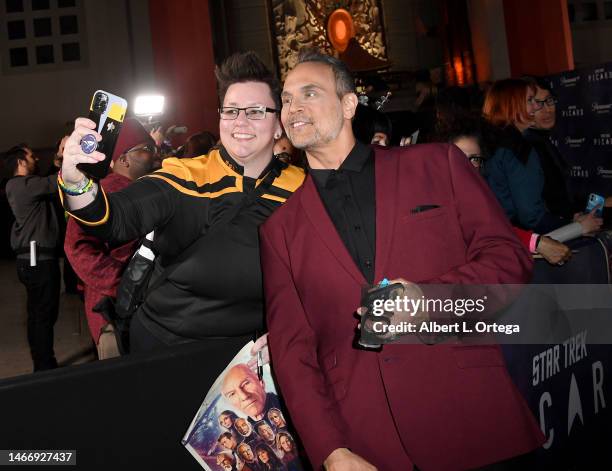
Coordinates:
[349,197]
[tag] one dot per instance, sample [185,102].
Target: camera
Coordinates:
[100,103]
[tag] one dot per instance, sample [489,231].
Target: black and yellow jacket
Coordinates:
[217,292]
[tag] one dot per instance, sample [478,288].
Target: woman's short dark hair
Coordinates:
[539,82]
[246,67]
[344,79]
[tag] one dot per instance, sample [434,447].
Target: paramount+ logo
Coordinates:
[572,111]
[568,82]
[603,140]
[603,108]
[604,172]
[600,74]
[578,172]
[573,142]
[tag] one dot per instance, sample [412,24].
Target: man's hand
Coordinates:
[342,459]
[553,252]
[590,222]
[411,291]
[158,135]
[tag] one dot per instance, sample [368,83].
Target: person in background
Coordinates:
[199,144]
[554,252]
[283,146]
[556,192]
[425,105]
[371,126]
[98,264]
[161,139]
[284,150]
[35,238]
[514,171]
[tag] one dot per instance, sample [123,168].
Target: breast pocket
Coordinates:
[425,215]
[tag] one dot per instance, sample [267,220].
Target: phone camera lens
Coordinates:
[100,102]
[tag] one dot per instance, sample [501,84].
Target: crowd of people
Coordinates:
[280,223]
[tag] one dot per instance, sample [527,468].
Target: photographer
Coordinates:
[35,238]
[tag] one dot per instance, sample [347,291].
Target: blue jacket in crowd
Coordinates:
[515,175]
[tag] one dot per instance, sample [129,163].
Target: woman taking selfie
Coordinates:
[205,212]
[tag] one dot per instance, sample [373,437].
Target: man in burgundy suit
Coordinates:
[420,214]
[98,265]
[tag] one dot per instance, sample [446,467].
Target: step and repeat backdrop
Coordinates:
[583,132]
[568,386]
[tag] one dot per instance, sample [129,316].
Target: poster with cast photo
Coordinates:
[240,426]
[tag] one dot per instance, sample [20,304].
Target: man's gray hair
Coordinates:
[344,79]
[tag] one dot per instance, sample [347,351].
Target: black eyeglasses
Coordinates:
[251,112]
[550,102]
[146,148]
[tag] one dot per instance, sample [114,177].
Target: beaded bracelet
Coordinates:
[74,190]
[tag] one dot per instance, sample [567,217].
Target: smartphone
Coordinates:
[595,201]
[108,112]
[368,337]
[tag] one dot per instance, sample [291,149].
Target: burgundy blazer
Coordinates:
[440,407]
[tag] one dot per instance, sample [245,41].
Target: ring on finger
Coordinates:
[88,143]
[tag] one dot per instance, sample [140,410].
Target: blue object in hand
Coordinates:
[595,201]
[89,143]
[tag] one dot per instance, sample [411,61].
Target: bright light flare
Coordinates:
[149,105]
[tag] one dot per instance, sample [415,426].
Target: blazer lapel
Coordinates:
[387,169]
[324,226]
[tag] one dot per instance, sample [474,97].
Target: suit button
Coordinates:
[368,263]
[357,227]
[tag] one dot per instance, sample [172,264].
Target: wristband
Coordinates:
[538,240]
[83,187]
[533,243]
